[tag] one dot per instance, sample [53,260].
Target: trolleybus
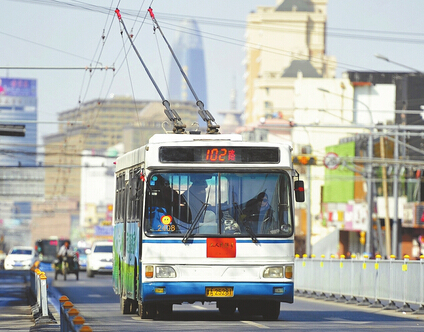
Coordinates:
[205,218]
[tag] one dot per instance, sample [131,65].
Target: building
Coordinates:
[21,180]
[83,151]
[281,41]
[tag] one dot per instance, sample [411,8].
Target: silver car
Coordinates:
[99,258]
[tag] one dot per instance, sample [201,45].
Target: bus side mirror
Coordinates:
[299,191]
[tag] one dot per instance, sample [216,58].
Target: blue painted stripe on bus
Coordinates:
[197,241]
[195,291]
[266,241]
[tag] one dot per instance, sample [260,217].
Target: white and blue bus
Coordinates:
[205,218]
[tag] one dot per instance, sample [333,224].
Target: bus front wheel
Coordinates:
[164,309]
[146,310]
[226,307]
[271,310]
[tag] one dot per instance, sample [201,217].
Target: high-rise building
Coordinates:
[189,52]
[21,181]
[18,105]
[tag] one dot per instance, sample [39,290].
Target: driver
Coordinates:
[259,214]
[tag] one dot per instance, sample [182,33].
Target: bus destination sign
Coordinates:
[219,155]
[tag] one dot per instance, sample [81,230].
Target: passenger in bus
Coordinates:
[260,215]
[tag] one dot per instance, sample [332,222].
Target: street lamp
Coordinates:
[382,57]
[368,173]
[354,99]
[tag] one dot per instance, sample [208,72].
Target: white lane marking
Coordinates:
[137,318]
[254,324]
[94,295]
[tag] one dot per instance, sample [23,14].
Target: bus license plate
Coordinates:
[219,292]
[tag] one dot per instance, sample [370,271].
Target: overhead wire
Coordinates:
[65,177]
[242,24]
[221,22]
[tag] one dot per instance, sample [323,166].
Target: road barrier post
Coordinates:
[391,305]
[377,302]
[420,310]
[406,307]
[353,299]
[342,298]
[365,301]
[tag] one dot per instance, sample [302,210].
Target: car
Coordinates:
[99,258]
[82,257]
[19,258]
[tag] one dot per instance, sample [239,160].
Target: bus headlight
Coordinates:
[165,272]
[279,272]
[273,272]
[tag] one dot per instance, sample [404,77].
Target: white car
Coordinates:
[100,258]
[19,258]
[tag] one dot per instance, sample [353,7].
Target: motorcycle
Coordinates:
[66,265]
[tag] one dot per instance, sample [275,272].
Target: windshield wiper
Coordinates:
[250,231]
[196,219]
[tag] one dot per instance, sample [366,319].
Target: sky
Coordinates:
[79,34]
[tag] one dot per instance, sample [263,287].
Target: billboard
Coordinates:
[18,94]
[17,87]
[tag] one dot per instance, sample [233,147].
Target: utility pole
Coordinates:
[386,199]
[396,197]
[308,212]
[370,200]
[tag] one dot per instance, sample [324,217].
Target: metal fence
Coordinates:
[70,319]
[370,280]
[38,288]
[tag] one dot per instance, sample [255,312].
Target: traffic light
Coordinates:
[304,159]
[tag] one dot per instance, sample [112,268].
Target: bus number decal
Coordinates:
[166,228]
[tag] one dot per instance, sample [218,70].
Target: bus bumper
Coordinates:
[179,292]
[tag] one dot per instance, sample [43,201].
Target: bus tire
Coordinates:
[147,310]
[226,307]
[125,306]
[271,310]
[164,309]
[133,306]
[247,308]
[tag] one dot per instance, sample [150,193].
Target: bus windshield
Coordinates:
[221,204]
